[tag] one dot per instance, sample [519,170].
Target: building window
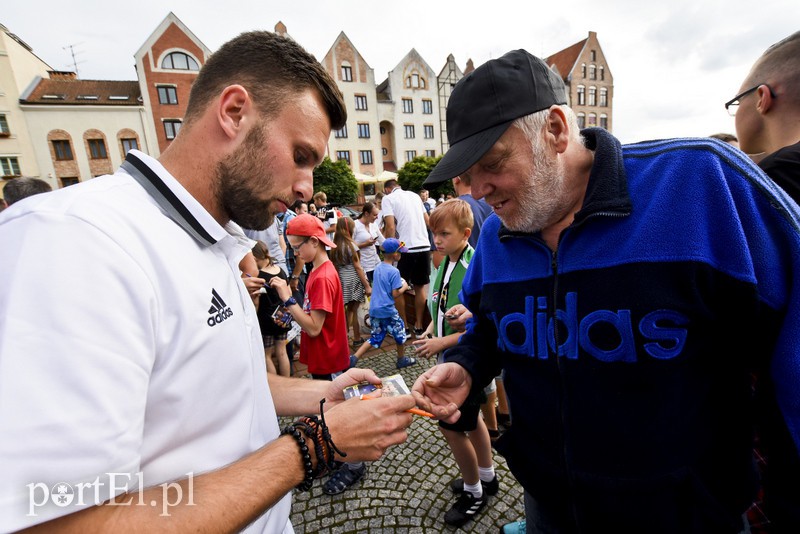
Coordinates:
[341,133]
[428,131]
[411,154]
[365,156]
[343,154]
[427,107]
[593,55]
[179,61]
[97,148]
[408,105]
[10,166]
[593,96]
[430,153]
[415,81]
[592,72]
[592,120]
[385,151]
[604,121]
[383,130]
[129,144]
[4,131]
[581,120]
[167,94]
[581,95]
[583,70]
[63,150]
[347,73]
[363,130]
[171,128]
[409,130]
[361,102]
[67,181]
[604,96]
[602,73]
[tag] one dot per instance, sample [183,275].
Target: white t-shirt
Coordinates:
[369,255]
[409,215]
[128,344]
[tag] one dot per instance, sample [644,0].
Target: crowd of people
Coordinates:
[629,307]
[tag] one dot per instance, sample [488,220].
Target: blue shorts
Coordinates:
[391,325]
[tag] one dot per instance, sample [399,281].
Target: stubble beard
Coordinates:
[238,176]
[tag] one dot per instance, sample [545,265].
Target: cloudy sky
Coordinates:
[674,63]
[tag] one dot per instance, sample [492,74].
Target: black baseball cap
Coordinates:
[485,103]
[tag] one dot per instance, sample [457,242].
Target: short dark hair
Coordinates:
[272,68]
[390,184]
[20,188]
[781,62]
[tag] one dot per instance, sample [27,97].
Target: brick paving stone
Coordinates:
[406,491]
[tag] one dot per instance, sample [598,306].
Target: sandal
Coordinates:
[504,420]
[343,478]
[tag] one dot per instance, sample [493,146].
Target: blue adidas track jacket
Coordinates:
[631,352]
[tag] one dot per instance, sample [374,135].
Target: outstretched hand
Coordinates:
[442,389]
[365,429]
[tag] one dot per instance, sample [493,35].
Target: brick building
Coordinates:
[590,85]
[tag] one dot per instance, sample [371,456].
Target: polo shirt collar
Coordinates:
[175,201]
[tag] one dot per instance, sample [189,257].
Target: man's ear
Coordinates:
[557,129]
[765,99]
[233,107]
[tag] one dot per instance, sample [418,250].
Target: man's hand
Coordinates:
[364,429]
[253,284]
[442,389]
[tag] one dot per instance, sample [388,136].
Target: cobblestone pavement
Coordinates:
[406,491]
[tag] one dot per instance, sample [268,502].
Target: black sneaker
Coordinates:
[466,507]
[419,333]
[489,488]
[343,478]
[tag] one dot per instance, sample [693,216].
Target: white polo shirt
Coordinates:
[128,345]
[409,215]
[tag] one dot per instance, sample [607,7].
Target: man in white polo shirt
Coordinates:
[405,217]
[133,388]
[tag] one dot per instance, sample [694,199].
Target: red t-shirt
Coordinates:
[329,352]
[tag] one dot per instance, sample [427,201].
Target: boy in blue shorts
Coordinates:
[387,285]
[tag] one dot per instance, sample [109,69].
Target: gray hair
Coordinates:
[533,125]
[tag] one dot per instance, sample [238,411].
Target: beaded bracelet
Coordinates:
[312,433]
[306,484]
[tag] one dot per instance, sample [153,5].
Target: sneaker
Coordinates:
[489,488]
[343,478]
[405,361]
[466,507]
[419,333]
[353,361]
[517,527]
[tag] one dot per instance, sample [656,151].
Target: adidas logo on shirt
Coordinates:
[219,311]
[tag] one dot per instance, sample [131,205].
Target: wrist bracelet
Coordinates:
[311,430]
[306,484]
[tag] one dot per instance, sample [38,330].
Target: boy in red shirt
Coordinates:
[323,342]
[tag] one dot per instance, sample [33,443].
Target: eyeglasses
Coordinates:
[299,246]
[732,105]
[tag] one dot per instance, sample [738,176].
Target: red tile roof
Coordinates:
[564,60]
[85,92]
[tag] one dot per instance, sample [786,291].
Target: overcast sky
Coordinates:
[674,63]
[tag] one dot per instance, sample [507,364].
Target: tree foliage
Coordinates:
[337,181]
[413,174]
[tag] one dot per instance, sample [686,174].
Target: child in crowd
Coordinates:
[323,346]
[387,286]
[274,336]
[468,438]
[355,285]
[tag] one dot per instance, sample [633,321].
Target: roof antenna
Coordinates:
[74,61]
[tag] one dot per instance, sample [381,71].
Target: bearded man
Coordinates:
[629,294]
[133,387]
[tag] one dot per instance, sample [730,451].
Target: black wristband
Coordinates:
[306,484]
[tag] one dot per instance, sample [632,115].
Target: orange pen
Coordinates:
[415,411]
